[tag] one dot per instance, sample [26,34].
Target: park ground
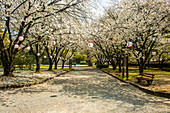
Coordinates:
[82,90]
[161,82]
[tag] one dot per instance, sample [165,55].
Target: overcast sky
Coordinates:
[100,7]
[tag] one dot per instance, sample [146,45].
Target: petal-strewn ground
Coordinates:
[84,90]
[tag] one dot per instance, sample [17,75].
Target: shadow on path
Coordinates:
[97,85]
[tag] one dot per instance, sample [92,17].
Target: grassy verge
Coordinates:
[42,67]
[161,81]
[134,72]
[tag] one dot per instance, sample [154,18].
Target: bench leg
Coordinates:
[139,80]
[149,82]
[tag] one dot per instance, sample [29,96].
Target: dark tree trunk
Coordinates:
[70,63]
[120,69]
[123,71]
[50,67]
[8,70]
[123,67]
[144,67]
[119,63]
[141,66]
[63,62]
[107,63]
[37,64]
[127,65]
[8,66]
[50,64]
[161,64]
[113,64]
[148,63]
[140,69]
[90,63]
[56,64]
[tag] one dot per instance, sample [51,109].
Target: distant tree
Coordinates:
[24,58]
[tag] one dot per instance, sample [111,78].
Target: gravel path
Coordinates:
[84,90]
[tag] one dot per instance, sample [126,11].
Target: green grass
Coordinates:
[82,65]
[161,73]
[133,73]
[18,70]
[46,67]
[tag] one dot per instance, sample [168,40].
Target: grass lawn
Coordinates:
[82,65]
[134,72]
[44,67]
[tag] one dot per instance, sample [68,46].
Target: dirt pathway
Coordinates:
[84,90]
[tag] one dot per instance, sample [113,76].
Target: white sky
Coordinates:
[100,5]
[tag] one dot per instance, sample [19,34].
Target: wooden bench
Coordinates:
[146,76]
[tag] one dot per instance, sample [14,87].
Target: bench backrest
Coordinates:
[147,75]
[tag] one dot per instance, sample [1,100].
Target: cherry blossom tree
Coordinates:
[147,21]
[19,16]
[140,22]
[104,41]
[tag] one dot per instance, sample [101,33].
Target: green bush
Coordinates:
[73,63]
[102,66]
[83,62]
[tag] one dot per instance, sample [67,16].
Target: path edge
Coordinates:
[156,93]
[36,83]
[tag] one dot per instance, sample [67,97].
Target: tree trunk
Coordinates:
[119,63]
[113,64]
[90,63]
[8,67]
[123,67]
[123,71]
[37,64]
[8,70]
[127,65]
[144,67]
[70,63]
[50,65]
[63,62]
[161,64]
[141,66]
[148,63]
[56,64]
[140,69]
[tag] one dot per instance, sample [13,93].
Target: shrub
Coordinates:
[102,66]
[83,62]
